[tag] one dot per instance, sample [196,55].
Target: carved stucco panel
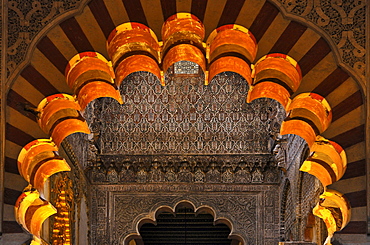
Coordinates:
[184,117]
[253,210]
[26,19]
[344,21]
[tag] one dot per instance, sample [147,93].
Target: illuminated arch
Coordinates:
[312,128]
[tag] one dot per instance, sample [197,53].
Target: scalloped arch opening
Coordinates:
[80,8]
[163,218]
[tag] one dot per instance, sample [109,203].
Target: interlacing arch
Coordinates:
[134,47]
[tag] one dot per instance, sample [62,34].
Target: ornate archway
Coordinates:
[353,95]
[184,222]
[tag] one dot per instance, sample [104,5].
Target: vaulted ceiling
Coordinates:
[36,66]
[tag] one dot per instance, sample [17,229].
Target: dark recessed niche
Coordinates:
[185,227]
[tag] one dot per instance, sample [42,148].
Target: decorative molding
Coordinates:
[195,169]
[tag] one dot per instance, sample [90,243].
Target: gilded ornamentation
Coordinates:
[63,199]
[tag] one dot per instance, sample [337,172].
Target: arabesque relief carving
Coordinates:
[25,20]
[195,124]
[252,212]
[184,132]
[343,21]
[184,117]
[201,169]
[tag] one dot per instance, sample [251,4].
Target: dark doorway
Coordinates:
[185,227]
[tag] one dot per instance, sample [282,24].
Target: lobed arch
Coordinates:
[159,208]
[83,4]
[13,78]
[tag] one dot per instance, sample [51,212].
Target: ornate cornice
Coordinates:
[241,169]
